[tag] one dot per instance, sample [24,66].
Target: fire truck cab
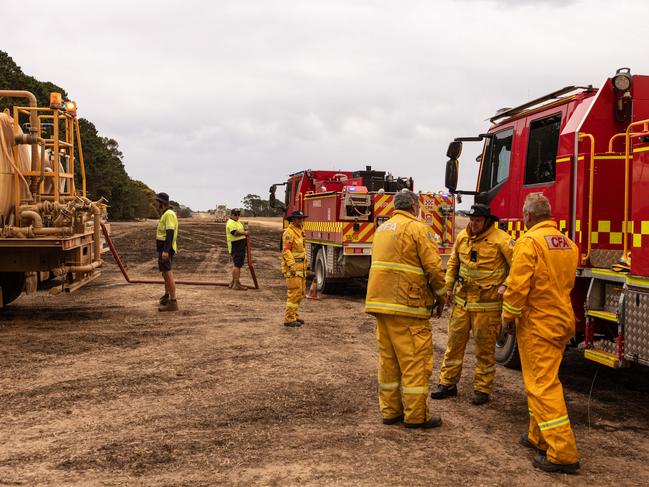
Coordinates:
[344,208]
[587,150]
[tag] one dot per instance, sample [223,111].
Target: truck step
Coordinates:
[602,315]
[605,358]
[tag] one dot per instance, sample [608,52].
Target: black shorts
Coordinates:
[165,265]
[238,252]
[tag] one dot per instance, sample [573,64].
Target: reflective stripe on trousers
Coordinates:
[485,327]
[405,358]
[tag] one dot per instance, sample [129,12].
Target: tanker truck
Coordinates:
[49,229]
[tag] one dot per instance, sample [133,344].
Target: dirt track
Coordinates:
[98,388]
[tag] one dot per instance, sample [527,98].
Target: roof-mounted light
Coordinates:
[71,106]
[622,79]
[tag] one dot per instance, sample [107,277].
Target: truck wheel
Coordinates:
[507,351]
[325,284]
[13,284]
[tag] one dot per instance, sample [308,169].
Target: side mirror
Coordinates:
[451,174]
[273,202]
[454,150]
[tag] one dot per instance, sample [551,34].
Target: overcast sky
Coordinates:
[210,101]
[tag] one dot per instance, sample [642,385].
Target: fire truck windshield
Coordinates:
[495,163]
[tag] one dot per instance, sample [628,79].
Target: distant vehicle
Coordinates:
[344,209]
[221,214]
[50,232]
[587,150]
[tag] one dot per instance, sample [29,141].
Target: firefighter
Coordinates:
[406,282]
[293,261]
[236,236]
[537,298]
[475,273]
[166,236]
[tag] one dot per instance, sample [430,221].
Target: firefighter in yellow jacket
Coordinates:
[293,261]
[406,282]
[475,273]
[538,296]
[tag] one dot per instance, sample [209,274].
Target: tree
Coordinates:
[258,207]
[106,175]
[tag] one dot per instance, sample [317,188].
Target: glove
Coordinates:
[293,270]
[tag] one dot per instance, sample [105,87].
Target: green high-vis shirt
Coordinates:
[231,226]
[168,221]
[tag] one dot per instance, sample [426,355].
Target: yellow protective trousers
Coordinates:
[549,423]
[295,287]
[485,326]
[405,365]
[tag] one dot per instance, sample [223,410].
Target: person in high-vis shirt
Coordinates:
[475,273]
[537,299]
[293,264]
[166,236]
[236,236]
[406,283]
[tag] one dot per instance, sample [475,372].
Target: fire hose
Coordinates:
[120,264]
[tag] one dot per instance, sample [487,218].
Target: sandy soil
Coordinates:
[98,388]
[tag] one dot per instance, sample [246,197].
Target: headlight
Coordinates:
[622,79]
[622,82]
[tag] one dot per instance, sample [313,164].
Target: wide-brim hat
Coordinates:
[481,209]
[162,198]
[235,211]
[296,214]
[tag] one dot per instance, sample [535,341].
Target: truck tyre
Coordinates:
[507,351]
[325,284]
[13,284]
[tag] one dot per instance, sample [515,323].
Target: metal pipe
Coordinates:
[84,268]
[96,211]
[591,194]
[32,215]
[81,162]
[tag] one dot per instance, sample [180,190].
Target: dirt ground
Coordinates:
[99,388]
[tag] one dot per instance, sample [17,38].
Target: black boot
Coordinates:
[395,420]
[443,392]
[542,463]
[433,422]
[480,398]
[525,441]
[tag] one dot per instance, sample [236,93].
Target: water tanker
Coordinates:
[50,235]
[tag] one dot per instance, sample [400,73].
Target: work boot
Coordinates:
[300,320]
[293,324]
[164,298]
[171,305]
[542,463]
[433,422]
[525,441]
[480,398]
[443,392]
[395,420]
[238,287]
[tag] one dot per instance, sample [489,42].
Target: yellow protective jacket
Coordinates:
[406,271]
[293,258]
[541,280]
[477,267]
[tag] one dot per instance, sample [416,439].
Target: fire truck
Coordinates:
[587,150]
[50,235]
[344,208]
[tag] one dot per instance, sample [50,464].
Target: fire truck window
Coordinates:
[496,163]
[542,150]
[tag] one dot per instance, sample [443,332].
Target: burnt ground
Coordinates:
[98,388]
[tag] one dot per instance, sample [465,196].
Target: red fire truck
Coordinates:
[344,209]
[587,150]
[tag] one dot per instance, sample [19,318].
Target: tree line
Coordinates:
[105,172]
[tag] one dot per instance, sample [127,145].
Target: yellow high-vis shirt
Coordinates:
[231,226]
[168,221]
